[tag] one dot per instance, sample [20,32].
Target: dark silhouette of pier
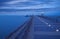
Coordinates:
[37,27]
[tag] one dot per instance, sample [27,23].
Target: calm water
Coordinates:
[9,23]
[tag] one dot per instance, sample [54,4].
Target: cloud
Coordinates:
[29,7]
[15,1]
[27,4]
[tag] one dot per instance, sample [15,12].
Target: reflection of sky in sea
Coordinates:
[13,6]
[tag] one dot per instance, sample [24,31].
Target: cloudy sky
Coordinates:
[27,4]
[13,5]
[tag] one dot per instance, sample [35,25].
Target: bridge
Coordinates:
[37,27]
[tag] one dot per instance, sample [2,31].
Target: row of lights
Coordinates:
[57,30]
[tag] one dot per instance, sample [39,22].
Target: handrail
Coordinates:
[21,31]
[26,29]
[49,18]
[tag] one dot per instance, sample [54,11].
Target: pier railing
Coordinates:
[55,19]
[22,31]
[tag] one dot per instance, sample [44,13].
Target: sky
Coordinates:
[28,4]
